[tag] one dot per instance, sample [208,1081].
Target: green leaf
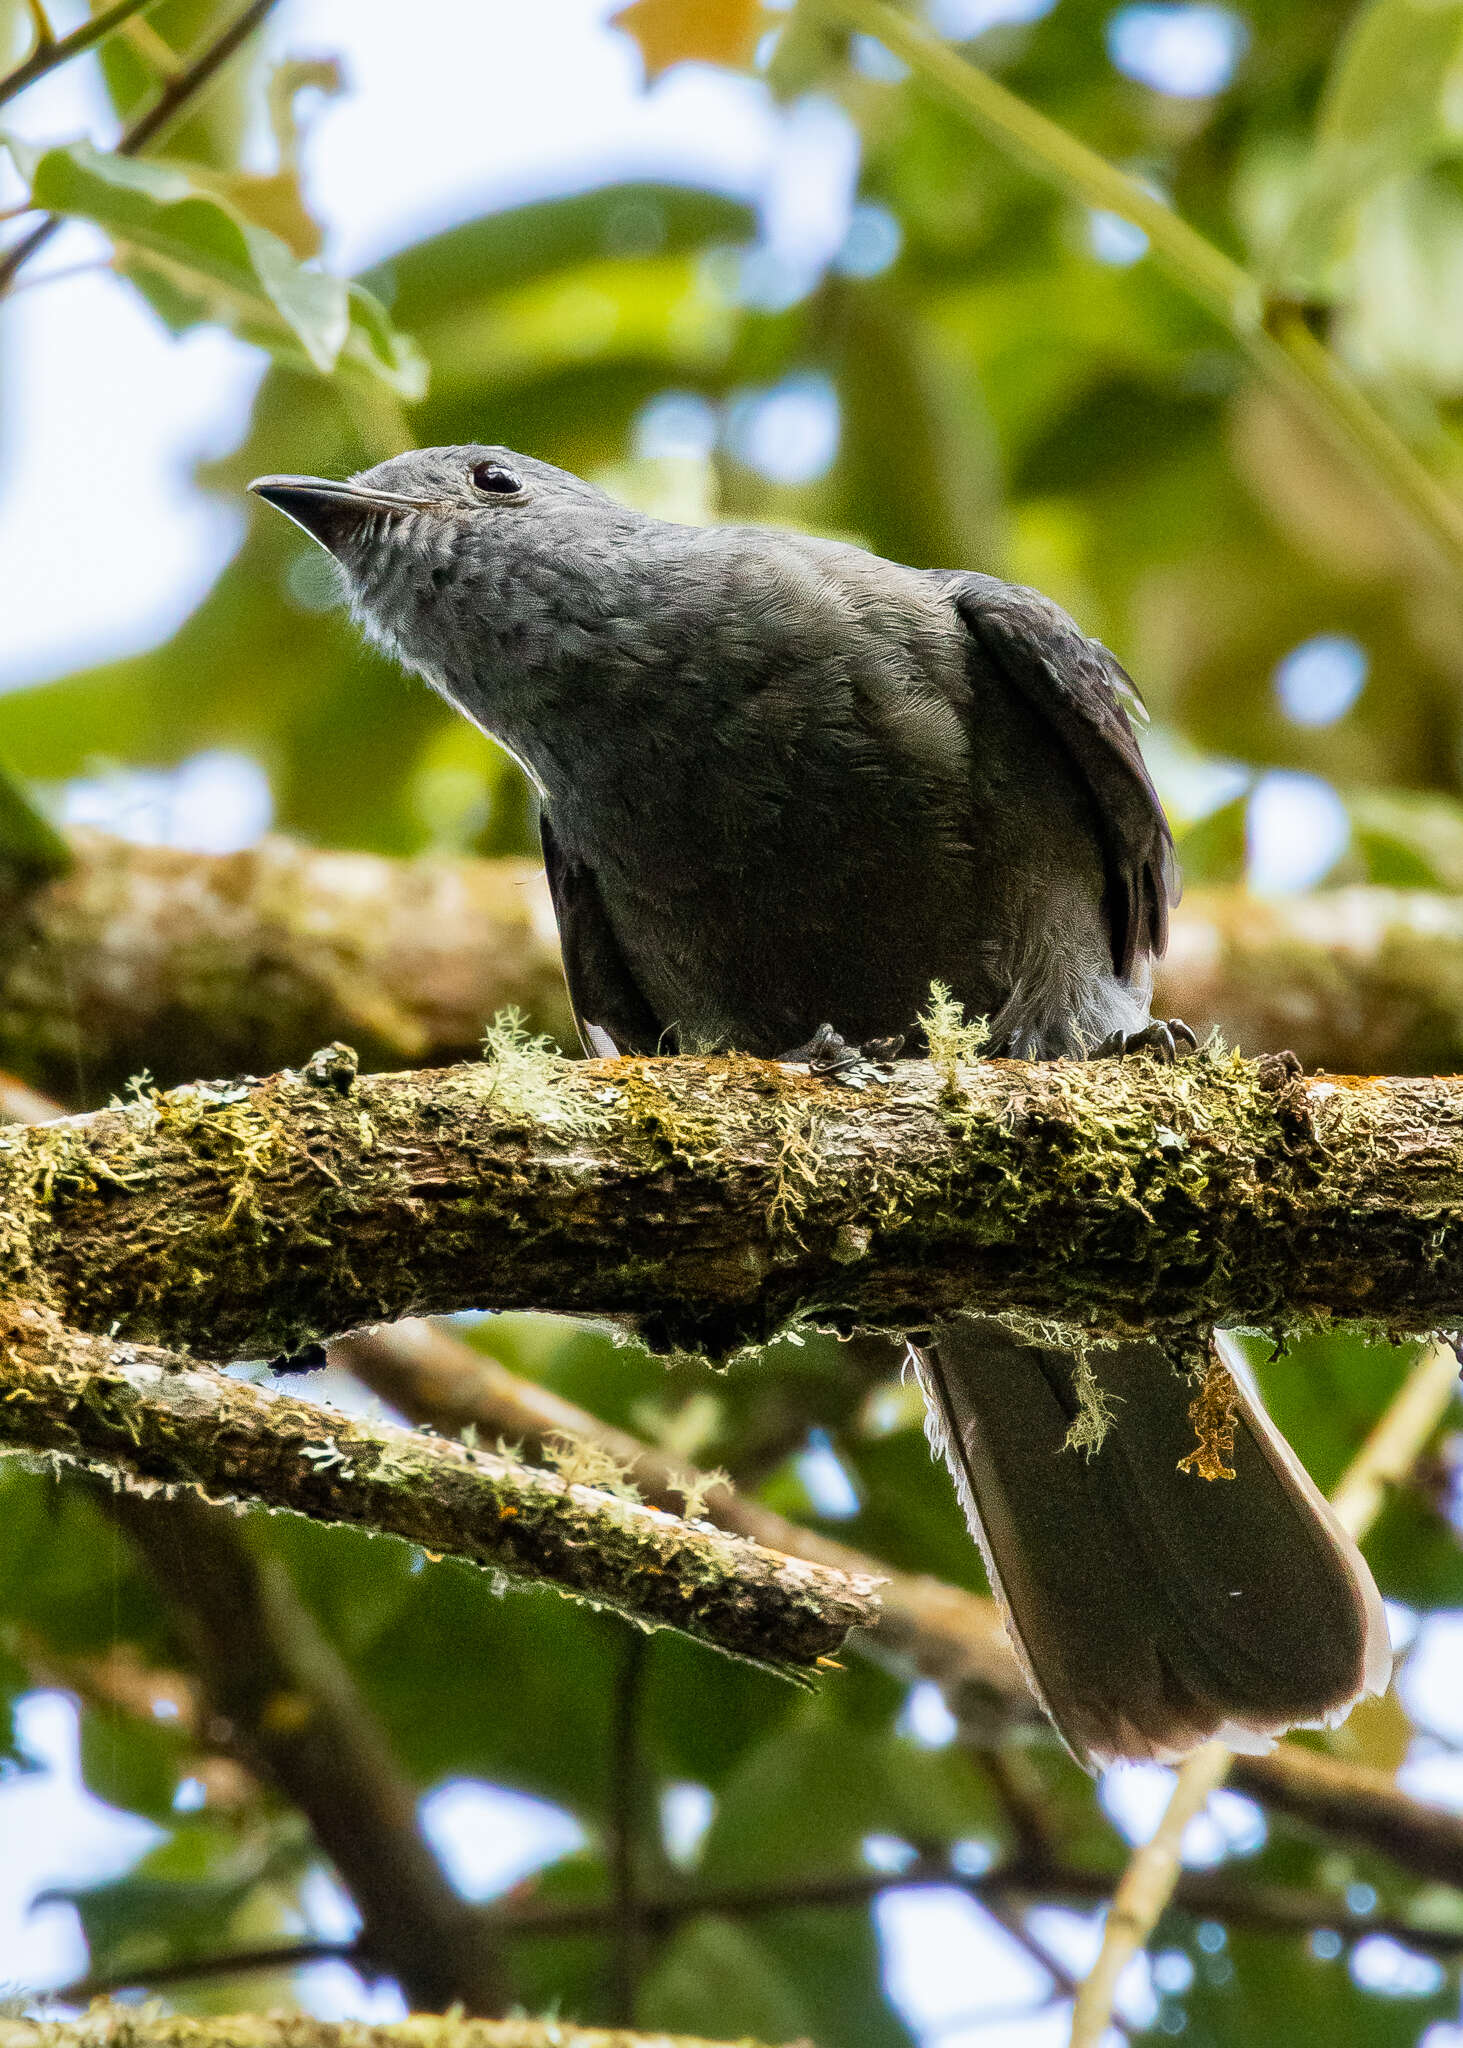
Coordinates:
[803,1800]
[208,252]
[717,1977]
[183,1897]
[1393,103]
[374,345]
[194,253]
[31,849]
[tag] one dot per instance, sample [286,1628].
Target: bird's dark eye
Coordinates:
[494,479]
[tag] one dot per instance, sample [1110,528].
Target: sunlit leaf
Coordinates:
[671,32]
[137,62]
[206,252]
[1393,102]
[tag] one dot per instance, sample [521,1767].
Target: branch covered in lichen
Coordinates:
[137,1415]
[192,963]
[179,963]
[117,2026]
[711,1201]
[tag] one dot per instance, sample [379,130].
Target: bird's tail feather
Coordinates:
[1151,1609]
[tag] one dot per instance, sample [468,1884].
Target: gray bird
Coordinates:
[787,785]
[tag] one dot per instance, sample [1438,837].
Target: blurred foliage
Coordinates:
[1005,396]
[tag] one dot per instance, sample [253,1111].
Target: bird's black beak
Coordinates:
[328,511]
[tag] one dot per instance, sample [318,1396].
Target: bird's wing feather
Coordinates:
[1078,688]
[609,1008]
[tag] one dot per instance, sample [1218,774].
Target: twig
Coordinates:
[50,54]
[142,1416]
[1199,1895]
[1277,341]
[1400,1437]
[177,95]
[1151,1876]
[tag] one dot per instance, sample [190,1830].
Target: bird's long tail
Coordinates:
[1151,1608]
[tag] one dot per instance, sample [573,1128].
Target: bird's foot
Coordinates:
[1164,1036]
[832,1058]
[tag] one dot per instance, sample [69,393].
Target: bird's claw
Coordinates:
[1164,1036]
[829,1056]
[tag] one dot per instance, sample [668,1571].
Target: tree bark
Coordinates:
[144,957]
[139,1417]
[713,1201]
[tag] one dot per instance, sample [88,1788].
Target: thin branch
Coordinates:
[49,55]
[940,1632]
[1361,1807]
[293,1712]
[177,96]
[947,1634]
[1401,1435]
[1143,1891]
[711,1201]
[1150,1879]
[142,1417]
[1276,340]
[1283,1910]
[181,90]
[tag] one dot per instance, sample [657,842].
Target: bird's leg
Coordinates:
[1163,1036]
[832,1058]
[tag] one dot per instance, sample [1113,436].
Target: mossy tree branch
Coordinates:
[193,963]
[138,1416]
[713,1200]
[147,957]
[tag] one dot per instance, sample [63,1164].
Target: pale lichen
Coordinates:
[954,1040]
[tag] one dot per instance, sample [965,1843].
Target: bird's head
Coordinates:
[479,568]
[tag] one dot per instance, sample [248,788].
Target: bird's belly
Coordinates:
[757,958]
